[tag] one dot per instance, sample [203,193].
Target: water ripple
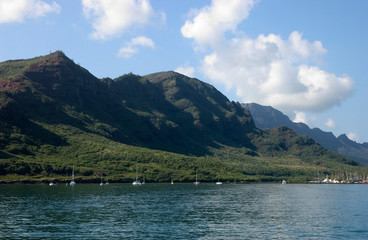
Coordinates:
[184,211]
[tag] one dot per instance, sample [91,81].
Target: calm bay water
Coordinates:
[184,211]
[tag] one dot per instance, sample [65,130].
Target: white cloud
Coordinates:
[330,123]
[131,47]
[353,136]
[300,117]
[18,10]
[186,70]
[113,17]
[212,22]
[269,70]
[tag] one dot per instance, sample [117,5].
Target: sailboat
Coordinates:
[52,182]
[101,182]
[218,182]
[136,182]
[196,181]
[72,183]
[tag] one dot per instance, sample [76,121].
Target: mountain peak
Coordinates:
[54,59]
[13,69]
[267,117]
[343,137]
[346,140]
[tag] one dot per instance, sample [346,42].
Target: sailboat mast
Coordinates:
[136,173]
[73,172]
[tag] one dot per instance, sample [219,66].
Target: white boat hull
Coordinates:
[137,183]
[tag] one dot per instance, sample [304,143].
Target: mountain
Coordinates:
[267,117]
[54,113]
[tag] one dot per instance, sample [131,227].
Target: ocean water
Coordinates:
[184,211]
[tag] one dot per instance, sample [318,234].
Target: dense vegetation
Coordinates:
[54,114]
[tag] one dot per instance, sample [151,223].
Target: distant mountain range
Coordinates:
[54,113]
[266,117]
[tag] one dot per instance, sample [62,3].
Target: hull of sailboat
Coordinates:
[137,183]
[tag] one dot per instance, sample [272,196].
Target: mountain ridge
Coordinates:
[267,117]
[54,113]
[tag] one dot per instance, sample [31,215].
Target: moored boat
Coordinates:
[136,182]
[218,182]
[72,182]
[196,181]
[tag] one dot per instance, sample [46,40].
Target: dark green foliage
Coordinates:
[54,113]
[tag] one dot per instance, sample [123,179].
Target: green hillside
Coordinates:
[54,113]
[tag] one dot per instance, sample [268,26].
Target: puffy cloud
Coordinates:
[131,47]
[113,17]
[186,70]
[269,70]
[300,117]
[304,48]
[18,10]
[212,22]
[330,123]
[353,136]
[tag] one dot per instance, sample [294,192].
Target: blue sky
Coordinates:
[307,58]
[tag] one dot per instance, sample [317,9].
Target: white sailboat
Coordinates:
[196,181]
[136,182]
[101,184]
[52,182]
[72,183]
[218,182]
